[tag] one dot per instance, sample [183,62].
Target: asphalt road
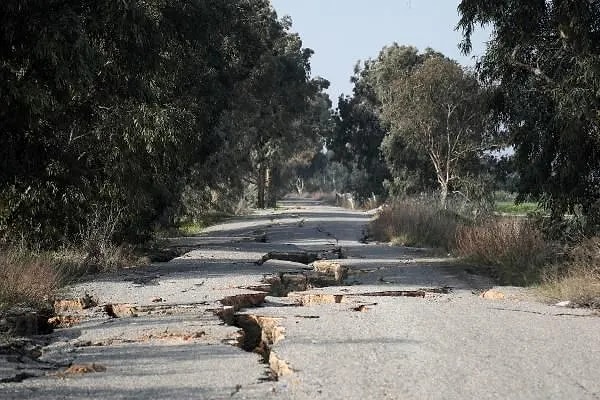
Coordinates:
[379,323]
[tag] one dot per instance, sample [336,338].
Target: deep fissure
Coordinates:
[259,333]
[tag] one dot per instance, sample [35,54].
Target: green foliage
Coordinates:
[122,105]
[435,111]
[276,119]
[324,175]
[544,57]
[357,137]
[510,207]
[416,121]
[412,172]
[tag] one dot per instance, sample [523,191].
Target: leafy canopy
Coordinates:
[544,58]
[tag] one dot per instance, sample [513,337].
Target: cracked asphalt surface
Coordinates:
[398,323]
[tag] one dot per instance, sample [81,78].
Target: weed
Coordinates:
[577,279]
[417,223]
[515,246]
[26,279]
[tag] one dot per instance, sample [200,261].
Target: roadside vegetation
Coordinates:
[416,223]
[519,250]
[33,278]
[27,280]
[523,124]
[509,207]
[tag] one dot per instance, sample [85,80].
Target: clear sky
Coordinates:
[344,31]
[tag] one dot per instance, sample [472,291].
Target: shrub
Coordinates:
[26,279]
[578,279]
[417,223]
[515,246]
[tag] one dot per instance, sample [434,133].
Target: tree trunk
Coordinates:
[271,189]
[444,195]
[260,187]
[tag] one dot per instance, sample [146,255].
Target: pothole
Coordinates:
[325,273]
[233,304]
[259,333]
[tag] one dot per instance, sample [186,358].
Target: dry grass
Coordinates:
[26,279]
[515,246]
[578,279]
[416,223]
[325,197]
[73,262]
[32,278]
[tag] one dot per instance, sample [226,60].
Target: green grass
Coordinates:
[509,207]
[195,227]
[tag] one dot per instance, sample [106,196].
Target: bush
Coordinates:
[32,278]
[515,246]
[417,223]
[26,279]
[578,279]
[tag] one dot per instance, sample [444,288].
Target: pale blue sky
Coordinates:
[344,31]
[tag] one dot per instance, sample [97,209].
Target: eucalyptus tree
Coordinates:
[410,168]
[355,141]
[438,109]
[109,107]
[271,116]
[544,58]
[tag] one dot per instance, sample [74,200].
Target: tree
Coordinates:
[272,116]
[410,169]
[544,58]
[305,158]
[437,108]
[356,139]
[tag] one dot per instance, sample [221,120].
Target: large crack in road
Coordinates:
[259,333]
